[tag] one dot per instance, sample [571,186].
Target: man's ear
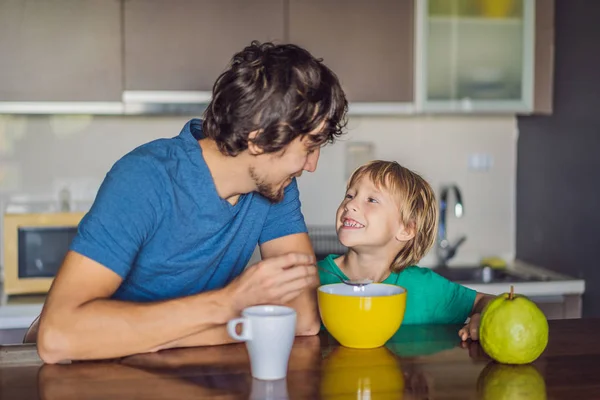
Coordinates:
[253,148]
[406,232]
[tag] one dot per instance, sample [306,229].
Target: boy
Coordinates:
[388,222]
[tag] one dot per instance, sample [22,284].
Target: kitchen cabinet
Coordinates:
[543,80]
[484,55]
[184,45]
[368,44]
[567,306]
[392,56]
[60,51]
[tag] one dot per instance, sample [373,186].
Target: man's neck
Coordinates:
[230,174]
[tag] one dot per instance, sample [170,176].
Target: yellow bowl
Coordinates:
[362,317]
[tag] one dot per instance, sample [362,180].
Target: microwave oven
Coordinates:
[35,245]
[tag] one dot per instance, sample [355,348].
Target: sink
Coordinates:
[477,274]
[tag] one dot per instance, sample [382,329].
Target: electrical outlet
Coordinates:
[480,162]
[357,154]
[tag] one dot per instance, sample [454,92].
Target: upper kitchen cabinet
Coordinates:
[60,51]
[184,45]
[367,43]
[484,55]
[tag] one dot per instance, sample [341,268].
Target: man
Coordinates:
[158,261]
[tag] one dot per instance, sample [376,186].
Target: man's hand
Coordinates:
[276,280]
[471,329]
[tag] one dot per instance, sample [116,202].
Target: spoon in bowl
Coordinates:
[350,282]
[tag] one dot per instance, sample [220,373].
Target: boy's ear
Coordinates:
[406,232]
[253,148]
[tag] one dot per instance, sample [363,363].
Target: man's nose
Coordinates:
[312,161]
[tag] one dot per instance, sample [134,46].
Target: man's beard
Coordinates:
[271,193]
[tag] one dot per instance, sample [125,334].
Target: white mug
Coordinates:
[269,333]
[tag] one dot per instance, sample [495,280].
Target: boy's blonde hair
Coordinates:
[416,203]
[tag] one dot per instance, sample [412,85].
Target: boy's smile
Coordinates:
[349,223]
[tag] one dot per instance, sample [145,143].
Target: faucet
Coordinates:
[444,250]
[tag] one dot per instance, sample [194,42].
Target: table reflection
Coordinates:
[407,367]
[515,382]
[423,340]
[370,373]
[219,371]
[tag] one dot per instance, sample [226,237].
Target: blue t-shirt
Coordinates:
[159,223]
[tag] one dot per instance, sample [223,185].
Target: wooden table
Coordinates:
[419,362]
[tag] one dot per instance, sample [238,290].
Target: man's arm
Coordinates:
[308,322]
[79,321]
[279,238]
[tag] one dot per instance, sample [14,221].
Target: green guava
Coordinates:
[513,330]
[510,382]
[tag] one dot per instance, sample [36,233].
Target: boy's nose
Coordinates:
[350,206]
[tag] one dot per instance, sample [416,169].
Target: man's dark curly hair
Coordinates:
[282,92]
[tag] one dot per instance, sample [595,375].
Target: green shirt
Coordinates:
[430,298]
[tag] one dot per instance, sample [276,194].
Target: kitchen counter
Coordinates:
[555,288]
[18,312]
[558,296]
[550,284]
[418,362]
[15,316]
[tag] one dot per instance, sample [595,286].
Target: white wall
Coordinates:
[438,149]
[37,153]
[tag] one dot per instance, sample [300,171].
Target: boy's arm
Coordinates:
[481,300]
[471,329]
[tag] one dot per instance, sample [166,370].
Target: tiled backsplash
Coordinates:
[40,154]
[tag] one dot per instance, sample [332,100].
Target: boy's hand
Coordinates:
[471,329]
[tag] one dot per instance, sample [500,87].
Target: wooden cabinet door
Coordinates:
[544,57]
[60,50]
[186,44]
[367,43]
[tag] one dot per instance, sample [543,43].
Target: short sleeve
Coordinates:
[432,299]
[124,215]
[453,302]
[284,218]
